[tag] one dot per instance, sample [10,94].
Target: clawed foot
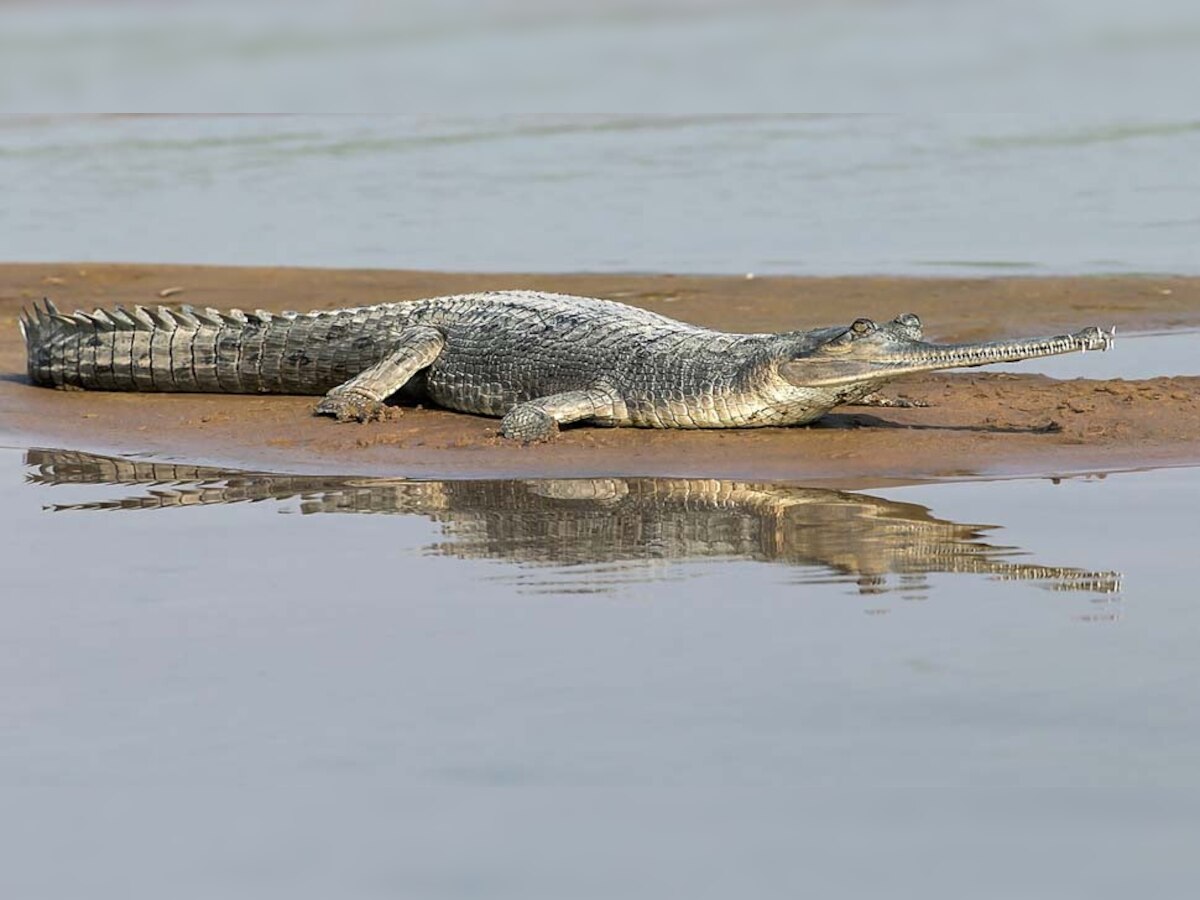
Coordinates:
[529,425]
[878,399]
[351,407]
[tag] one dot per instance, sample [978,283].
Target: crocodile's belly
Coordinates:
[493,387]
[712,407]
[708,410]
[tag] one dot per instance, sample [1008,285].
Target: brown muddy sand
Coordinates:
[976,423]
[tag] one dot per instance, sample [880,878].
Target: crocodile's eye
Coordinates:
[862,326]
[908,320]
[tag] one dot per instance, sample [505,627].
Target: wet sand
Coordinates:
[976,424]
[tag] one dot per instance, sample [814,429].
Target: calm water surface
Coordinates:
[1076,191]
[224,683]
[1134,356]
[239,684]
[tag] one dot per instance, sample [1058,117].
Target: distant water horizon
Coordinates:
[956,195]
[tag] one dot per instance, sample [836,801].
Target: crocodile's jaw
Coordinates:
[883,353]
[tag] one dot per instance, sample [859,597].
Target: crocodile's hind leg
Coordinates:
[361,398]
[538,420]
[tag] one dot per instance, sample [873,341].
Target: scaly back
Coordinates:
[187,349]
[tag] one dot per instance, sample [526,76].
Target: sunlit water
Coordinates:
[216,682]
[980,195]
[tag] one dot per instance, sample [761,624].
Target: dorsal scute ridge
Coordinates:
[150,318]
[209,316]
[184,317]
[103,320]
[86,320]
[162,318]
[142,319]
[47,318]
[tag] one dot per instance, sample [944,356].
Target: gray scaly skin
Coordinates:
[538,360]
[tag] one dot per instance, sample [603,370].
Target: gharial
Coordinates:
[538,360]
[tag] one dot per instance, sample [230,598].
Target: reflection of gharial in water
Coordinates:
[568,522]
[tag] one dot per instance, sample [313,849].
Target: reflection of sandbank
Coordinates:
[606,520]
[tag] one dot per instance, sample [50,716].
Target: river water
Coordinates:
[232,684]
[924,195]
[223,683]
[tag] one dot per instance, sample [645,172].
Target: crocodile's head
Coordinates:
[867,352]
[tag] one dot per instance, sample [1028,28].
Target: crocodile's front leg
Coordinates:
[876,398]
[361,398]
[538,420]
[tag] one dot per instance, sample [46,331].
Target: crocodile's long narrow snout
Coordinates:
[866,351]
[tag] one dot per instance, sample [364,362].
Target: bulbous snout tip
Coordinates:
[1094,338]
